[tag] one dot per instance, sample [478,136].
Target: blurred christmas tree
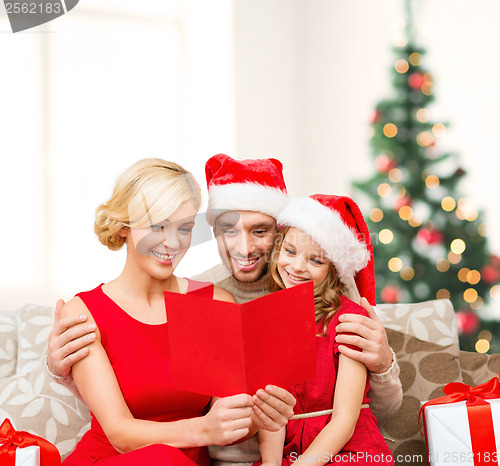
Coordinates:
[429,239]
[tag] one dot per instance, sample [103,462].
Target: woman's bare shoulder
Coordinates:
[75,307]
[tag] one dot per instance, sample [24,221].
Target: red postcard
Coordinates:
[221,349]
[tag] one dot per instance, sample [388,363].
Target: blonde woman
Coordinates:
[137,416]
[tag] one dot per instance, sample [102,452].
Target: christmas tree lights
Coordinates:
[429,239]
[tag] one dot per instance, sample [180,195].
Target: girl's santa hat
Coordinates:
[337,225]
[254,184]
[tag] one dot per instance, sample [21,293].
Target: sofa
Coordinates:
[423,335]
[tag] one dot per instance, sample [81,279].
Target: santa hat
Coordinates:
[337,225]
[253,184]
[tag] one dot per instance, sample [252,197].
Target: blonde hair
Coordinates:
[326,294]
[145,194]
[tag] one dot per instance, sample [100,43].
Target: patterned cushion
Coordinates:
[30,399]
[35,323]
[432,321]
[478,368]
[425,369]
[38,405]
[8,346]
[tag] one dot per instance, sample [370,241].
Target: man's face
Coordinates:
[245,240]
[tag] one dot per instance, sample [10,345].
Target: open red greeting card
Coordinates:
[221,349]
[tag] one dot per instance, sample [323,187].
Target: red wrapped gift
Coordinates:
[11,439]
[483,442]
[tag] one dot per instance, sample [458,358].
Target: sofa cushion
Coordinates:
[478,368]
[35,324]
[41,406]
[8,344]
[30,398]
[425,369]
[432,321]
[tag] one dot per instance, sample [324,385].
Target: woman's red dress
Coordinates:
[139,354]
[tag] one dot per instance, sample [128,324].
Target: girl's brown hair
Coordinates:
[326,294]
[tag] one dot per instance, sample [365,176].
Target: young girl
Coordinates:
[138,418]
[324,239]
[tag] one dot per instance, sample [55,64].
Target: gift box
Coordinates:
[20,448]
[28,456]
[463,427]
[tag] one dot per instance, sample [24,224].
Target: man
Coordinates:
[245,198]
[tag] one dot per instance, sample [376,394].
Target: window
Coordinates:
[85,96]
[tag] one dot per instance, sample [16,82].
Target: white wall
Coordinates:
[308,74]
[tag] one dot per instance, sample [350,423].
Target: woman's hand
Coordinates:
[68,342]
[228,420]
[273,407]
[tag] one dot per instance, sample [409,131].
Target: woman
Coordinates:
[137,416]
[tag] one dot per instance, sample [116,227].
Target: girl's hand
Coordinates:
[228,420]
[273,407]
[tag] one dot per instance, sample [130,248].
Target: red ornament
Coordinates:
[402,202]
[415,80]
[376,116]
[385,163]
[390,294]
[490,274]
[495,260]
[430,236]
[467,322]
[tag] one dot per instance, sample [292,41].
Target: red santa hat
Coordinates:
[337,225]
[254,184]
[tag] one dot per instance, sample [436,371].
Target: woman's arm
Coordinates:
[347,400]
[67,344]
[227,421]
[271,446]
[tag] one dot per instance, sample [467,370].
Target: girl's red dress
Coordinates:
[366,446]
[139,354]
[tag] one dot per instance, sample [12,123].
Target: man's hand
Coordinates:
[68,342]
[370,338]
[273,407]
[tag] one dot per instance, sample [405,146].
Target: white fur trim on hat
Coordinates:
[246,196]
[325,227]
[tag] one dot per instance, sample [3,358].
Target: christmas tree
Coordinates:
[429,239]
